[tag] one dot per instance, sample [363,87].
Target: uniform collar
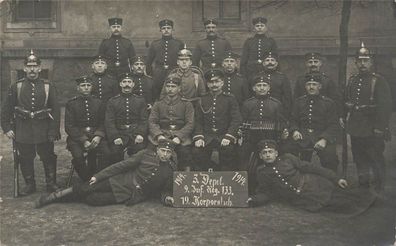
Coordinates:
[260,36]
[262,97]
[183,73]
[116,36]
[172,101]
[167,37]
[212,37]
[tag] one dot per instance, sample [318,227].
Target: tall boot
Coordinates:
[52,197]
[27,170]
[81,168]
[50,173]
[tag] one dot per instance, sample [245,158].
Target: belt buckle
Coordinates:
[214,129]
[127,126]
[31,115]
[310,130]
[259,61]
[88,129]
[172,127]
[213,65]
[166,66]
[117,63]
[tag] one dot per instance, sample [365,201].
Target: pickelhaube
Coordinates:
[83,79]
[184,53]
[32,59]
[115,21]
[363,52]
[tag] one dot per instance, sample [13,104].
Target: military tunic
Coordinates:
[253,52]
[217,117]
[235,84]
[119,51]
[105,86]
[315,117]
[369,107]
[161,58]
[143,87]
[211,51]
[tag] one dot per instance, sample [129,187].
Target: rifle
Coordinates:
[16,168]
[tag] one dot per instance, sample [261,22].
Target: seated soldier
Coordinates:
[126,120]
[314,125]
[192,85]
[304,185]
[173,118]
[84,125]
[217,119]
[145,174]
[263,118]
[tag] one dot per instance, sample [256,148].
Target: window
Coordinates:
[33,16]
[231,14]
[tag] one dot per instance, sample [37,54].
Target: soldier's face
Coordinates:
[184,63]
[260,28]
[138,67]
[313,87]
[364,64]
[99,67]
[268,155]
[215,84]
[172,89]
[127,85]
[314,65]
[229,65]
[32,71]
[116,29]
[270,63]
[261,89]
[166,31]
[84,88]
[164,154]
[211,29]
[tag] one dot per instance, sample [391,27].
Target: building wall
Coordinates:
[298,26]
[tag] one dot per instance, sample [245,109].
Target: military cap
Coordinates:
[313,55]
[83,79]
[210,21]
[138,59]
[100,58]
[125,76]
[32,59]
[261,79]
[232,55]
[259,20]
[172,79]
[363,52]
[266,144]
[316,77]
[165,22]
[213,73]
[115,21]
[166,144]
[271,54]
[184,53]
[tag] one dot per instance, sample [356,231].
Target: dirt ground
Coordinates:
[150,223]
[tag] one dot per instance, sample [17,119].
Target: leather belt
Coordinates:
[125,127]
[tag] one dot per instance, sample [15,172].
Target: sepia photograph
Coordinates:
[198,122]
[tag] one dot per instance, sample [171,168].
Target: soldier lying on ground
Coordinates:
[147,173]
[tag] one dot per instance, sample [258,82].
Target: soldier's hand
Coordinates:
[161,137]
[149,106]
[225,142]
[92,180]
[342,183]
[176,140]
[10,134]
[200,143]
[169,201]
[118,141]
[285,134]
[378,133]
[95,141]
[139,139]
[87,145]
[321,144]
[297,135]
[342,122]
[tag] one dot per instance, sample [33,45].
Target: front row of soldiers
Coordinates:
[99,132]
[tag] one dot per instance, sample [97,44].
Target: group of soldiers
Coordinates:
[191,103]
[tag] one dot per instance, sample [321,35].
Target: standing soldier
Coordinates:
[368,102]
[192,84]
[255,48]
[126,120]
[117,49]
[144,83]
[162,56]
[314,124]
[234,83]
[280,84]
[329,88]
[35,127]
[173,118]
[104,86]
[217,119]
[84,125]
[211,50]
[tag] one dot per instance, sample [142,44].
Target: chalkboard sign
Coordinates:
[210,189]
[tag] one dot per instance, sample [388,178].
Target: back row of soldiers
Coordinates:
[119,109]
